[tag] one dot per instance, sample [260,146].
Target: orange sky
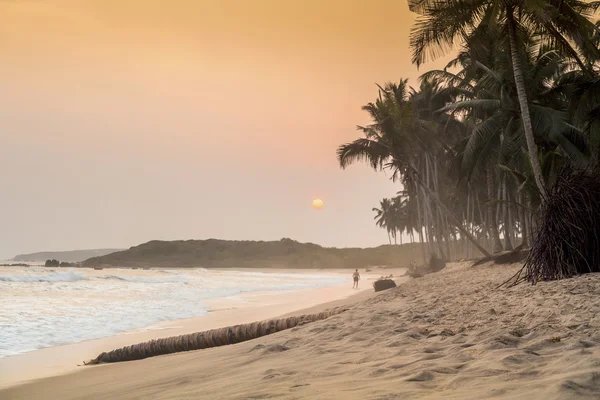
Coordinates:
[127,120]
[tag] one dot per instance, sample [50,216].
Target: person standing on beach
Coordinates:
[356,276]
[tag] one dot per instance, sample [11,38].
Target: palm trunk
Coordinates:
[507,222]
[447,237]
[484,230]
[521,216]
[438,215]
[452,218]
[212,338]
[529,220]
[467,247]
[493,222]
[472,225]
[427,212]
[431,181]
[499,217]
[524,105]
[525,219]
[420,227]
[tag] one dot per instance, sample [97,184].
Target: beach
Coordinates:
[451,335]
[264,295]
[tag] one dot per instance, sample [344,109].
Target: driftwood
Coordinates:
[207,339]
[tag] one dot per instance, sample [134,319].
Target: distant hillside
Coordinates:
[285,253]
[68,256]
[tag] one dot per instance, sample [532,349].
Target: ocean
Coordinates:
[43,307]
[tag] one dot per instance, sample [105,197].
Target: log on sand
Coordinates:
[207,339]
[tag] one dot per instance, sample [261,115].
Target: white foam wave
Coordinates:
[169,271]
[62,276]
[144,279]
[55,313]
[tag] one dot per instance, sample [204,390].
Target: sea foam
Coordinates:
[61,276]
[40,309]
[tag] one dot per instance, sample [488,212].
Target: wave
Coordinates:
[66,276]
[169,271]
[267,274]
[144,279]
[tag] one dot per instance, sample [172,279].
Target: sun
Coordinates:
[317,204]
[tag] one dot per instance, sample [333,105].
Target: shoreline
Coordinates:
[448,335]
[243,308]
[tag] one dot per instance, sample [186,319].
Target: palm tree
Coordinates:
[582,91]
[485,95]
[564,23]
[497,137]
[384,217]
[397,140]
[400,207]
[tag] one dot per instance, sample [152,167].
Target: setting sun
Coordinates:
[317,204]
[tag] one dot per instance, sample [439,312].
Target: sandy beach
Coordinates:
[226,311]
[449,335]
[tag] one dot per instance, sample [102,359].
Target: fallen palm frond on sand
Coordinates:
[567,242]
[207,339]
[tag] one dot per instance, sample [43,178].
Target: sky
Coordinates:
[123,121]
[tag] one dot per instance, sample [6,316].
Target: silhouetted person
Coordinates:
[356,277]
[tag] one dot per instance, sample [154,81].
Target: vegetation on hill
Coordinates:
[285,253]
[479,145]
[72,256]
[56,264]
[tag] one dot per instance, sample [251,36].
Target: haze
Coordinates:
[125,121]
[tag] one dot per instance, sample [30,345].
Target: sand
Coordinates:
[449,335]
[238,309]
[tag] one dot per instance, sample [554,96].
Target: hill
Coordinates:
[68,256]
[286,253]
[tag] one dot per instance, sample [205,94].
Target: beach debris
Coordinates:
[435,264]
[567,242]
[383,284]
[507,257]
[211,338]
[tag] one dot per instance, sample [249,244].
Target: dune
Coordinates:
[449,335]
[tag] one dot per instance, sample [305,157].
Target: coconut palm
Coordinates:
[562,23]
[485,94]
[582,91]
[384,217]
[400,141]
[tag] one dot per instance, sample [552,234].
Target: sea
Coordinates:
[43,307]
